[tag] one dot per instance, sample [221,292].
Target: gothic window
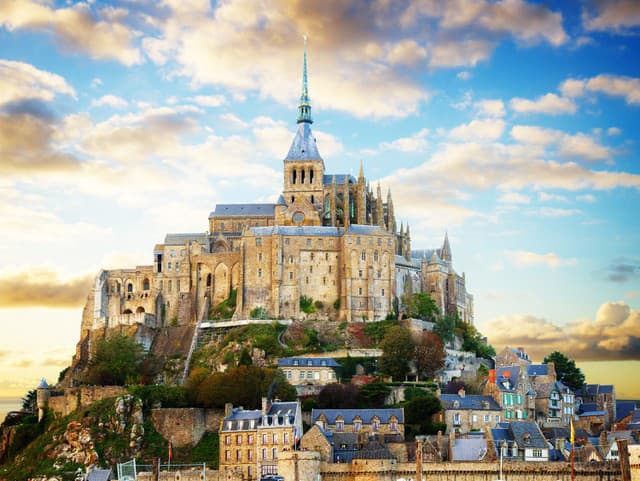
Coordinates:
[129,287]
[259,256]
[329,269]
[302,176]
[363,255]
[375,256]
[258,241]
[359,291]
[312,199]
[169,286]
[208,280]
[310,269]
[360,273]
[178,285]
[293,198]
[145,284]
[290,259]
[382,293]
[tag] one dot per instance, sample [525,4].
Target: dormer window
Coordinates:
[456,404]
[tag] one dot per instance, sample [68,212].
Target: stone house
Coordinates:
[555,404]
[512,389]
[603,396]
[520,441]
[309,370]
[464,413]
[388,423]
[250,440]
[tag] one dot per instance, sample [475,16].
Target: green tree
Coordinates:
[428,355]
[397,352]
[373,395]
[473,341]
[29,402]
[422,306]
[245,358]
[445,328]
[338,396]
[419,411]
[566,370]
[115,362]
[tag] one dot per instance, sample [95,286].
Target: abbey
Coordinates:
[329,244]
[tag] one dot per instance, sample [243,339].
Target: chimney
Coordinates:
[492,376]
[461,392]
[228,409]
[507,374]
[266,404]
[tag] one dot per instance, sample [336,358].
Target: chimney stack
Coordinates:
[461,392]
[228,409]
[492,376]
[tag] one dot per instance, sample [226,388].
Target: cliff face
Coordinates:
[7,436]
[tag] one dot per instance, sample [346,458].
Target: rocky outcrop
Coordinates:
[76,445]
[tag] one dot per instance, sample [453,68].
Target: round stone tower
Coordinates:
[42,398]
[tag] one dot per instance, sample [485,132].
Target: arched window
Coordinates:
[129,287]
[127,311]
[363,255]
[145,284]
[208,280]
[140,309]
[311,177]
[312,198]
[293,176]
[302,176]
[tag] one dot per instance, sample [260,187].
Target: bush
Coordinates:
[309,404]
[336,304]
[166,396]
[258,313]
[306,305]
[318,304]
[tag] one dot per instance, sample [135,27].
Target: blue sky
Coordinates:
[512,125]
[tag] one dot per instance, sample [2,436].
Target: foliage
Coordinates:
[258,312]
[166,396]
[226,308]
[445,328]
[29,402]
[373,395]
[63,373]
[338,396]
[243,386]
[336,304]
[377,330]
[428,355]
[206,451]
[245,358]
[419,411]
[318,305]
[397,350]
[422,306]
[262,336]
[309,404]
[473,341]
[566,370]
[349,366]
[306,305]
[115,362]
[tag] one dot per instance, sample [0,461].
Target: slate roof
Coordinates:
[327,179]
[544,390]
[99,475]
[373,450]
[304,146]
[507,378]
[472,449]
[469,401]
[522,355]
[593,413]
[556,433]
[182,239]
[307,361]
[523,429]
[404,262]
[366,415]
[221,210]
[365,229]
[587,407]
[538,370]
[241,419]
[623,408]
[592,390]
[292,230]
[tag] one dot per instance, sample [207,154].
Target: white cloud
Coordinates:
[532,259]
[22,81]
[209,100]
[557,212]
[490,107]
[547,197]
[77,28]
[586,198]
[96,82]
[414,143]
[550,104]
[613,131]
[484,129]
[614,85]
[406,52]
[514,198]
[233,120]
[111,101]
[460,53]
[616,16]
[464,75]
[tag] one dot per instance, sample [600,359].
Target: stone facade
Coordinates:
[186,426]
[464,413]
[308,370]
[388,421]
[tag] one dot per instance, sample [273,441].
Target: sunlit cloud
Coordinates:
[42,288]
[532,259]
[550,104]
[617,16]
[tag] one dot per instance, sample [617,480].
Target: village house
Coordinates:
[603,396]
[464,413]
[250,440]
[386,422]
[309,370]
[520,441]
[555,404]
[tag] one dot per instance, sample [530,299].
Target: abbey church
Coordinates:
[329,240]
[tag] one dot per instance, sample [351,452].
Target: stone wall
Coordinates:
[74,398]
[186,425]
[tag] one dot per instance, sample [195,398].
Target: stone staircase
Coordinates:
[204,310]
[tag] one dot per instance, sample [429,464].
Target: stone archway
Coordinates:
[221,284]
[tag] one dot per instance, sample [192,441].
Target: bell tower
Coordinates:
[303,166]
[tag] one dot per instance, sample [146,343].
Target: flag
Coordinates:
[573,433]
[170,450]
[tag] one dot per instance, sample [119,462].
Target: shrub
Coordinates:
[306,305]
[318,304]
[258,313]
[336,304]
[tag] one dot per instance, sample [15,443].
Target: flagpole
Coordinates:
[573,451]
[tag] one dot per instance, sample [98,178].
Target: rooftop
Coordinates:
[307,361]
[366,415]
[469,401]
[222,210]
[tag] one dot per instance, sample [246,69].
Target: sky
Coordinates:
[512,125]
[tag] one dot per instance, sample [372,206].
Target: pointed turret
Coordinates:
[445,254]
[304,108]
[391,216]
[361,173]
[379,209]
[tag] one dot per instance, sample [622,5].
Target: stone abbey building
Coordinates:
[329,238]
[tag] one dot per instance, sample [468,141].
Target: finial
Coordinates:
[361,174]
[304,108]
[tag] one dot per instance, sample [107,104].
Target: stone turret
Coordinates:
[42,398]
[445,254]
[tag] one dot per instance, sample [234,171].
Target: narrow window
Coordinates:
[178,285]
[312,199]
[293,179]
[259,273]
[311,177]
[302,176]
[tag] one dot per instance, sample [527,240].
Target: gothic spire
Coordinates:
[304,108]
[446,248]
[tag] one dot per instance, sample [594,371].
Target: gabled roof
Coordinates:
[472,449]
[623,409]
[182,239]
[373,450]
[593,413]
[366,415]
[538,370]
[221,210]
[292,230]
[527,434]
[241,419]
[469,401]
[584,407]
[327,179]
[307,361]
